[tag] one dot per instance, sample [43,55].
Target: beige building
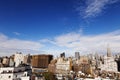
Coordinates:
[63,65]
[83,59]
[82,65]
[52,66]
[5,61]
[27,59]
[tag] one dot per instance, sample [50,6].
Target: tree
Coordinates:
[49,76]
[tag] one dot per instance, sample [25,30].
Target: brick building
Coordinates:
[41,61]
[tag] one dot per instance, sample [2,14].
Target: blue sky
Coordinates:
[55,26]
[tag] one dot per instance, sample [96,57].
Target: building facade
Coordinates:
[109,64]
[52,66]
[15,73]
[77,55]
[41,61]
[63,65]
[18,59]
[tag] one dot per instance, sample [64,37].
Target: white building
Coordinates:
[18,59]
[109,64]
[25,78]
[15,73]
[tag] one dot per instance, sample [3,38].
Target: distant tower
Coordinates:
[77,55]
[109,54]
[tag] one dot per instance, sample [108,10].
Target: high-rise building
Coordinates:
[18,59]
[62,54]
[0,60]
[118,65]
[109,54]
[27,59]
[41,61]
[77,55]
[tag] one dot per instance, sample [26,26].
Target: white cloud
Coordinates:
[67,38]
[93,8]
[8,45]
[69,43]
[88,43]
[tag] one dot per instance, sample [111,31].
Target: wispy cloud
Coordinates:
[10,45]
[16,33]
[88,43]
[93,8]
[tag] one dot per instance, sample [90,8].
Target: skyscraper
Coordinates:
[109,54]
[77,55]
[62,54]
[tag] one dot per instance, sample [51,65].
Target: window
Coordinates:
[16,76]
[9,76]
[0,77]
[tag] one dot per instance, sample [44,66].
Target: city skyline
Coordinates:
[55,26]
